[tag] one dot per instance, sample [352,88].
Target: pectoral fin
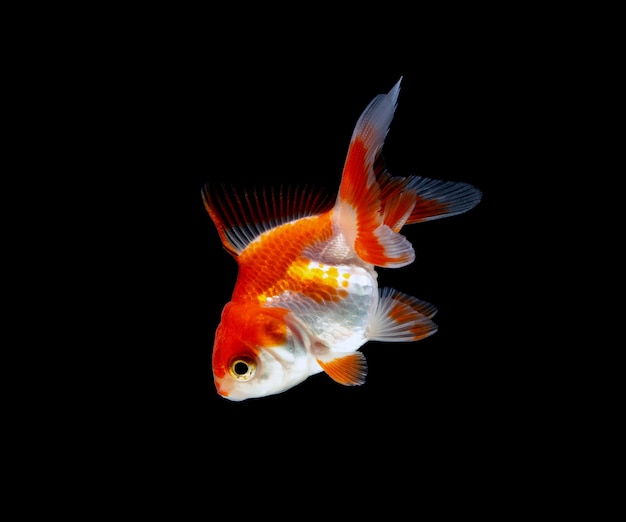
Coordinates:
[347,369]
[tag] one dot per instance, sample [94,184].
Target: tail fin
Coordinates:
[372,206]
[359,201]
[414,199]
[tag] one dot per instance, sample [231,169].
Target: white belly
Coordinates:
[341,324]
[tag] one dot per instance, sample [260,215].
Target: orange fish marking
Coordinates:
[275,263]
[402,313]
[353,190]
[314,282]
[269,337]
[360,191]
[244,328]
[349,370]
[426,208]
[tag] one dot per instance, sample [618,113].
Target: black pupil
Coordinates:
[241,368]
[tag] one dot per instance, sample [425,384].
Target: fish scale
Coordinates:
[341,323]
[307,296]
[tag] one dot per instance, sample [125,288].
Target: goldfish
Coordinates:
[306,297]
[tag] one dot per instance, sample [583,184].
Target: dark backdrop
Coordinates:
[145,107]
[271,119]
[294,126]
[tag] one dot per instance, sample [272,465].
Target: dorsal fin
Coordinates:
[241,214]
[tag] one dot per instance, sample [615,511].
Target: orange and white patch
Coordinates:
[322,283]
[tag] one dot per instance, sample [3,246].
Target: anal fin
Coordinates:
[401,318]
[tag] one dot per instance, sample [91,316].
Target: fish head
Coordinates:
[258,351]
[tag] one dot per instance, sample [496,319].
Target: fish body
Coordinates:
[307,295]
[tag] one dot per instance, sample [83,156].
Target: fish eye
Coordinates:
[242,368]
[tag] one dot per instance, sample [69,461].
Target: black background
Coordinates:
[137,109]
[184,111]
[292,124]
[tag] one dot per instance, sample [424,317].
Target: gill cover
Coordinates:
[258,351]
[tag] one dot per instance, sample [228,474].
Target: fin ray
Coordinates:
[347,369]
[241,214]
[401,318]
[373,206]
[359,202]
[437,198]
